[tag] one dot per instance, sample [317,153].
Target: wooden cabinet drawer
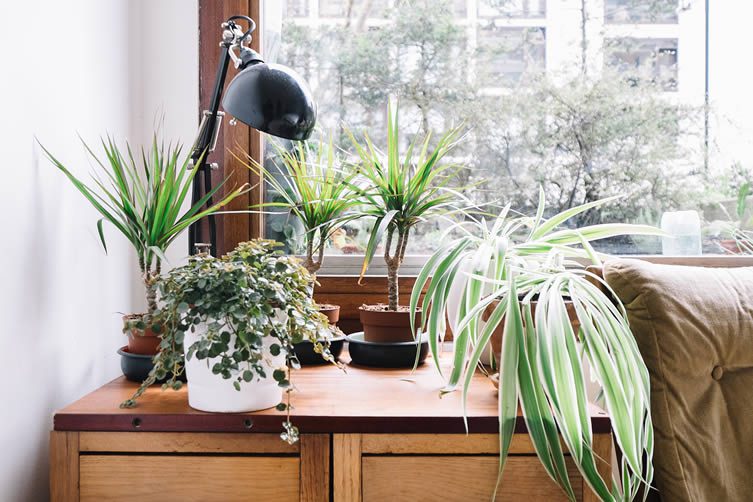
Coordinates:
[186,477]
[463,478]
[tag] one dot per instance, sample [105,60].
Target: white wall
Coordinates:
[87,67]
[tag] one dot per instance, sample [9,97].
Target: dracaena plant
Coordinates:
[489,278]
[313,185]
[399,192]
[144,201]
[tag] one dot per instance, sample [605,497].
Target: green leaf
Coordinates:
[101,234]
[279,375]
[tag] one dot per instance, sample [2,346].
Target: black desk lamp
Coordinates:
[269,97]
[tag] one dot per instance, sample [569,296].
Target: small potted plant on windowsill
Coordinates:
[231,324]
[399,192]
[499,271]
[144,202]
[739,235]
[314,186]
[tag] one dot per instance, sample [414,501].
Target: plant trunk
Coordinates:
[392,297]
[309,263]
[393,265]
[150,282]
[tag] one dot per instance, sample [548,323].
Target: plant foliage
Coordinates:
[234,303]
[313,186]
[502,267]
[145,201]
[399,192]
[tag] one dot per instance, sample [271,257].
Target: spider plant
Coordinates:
[313,186]
[504,266]
[144,202]
[403,192]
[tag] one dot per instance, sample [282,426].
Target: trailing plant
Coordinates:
[313,186]
[399,192]
[236,302]
[145,202]
[490,277]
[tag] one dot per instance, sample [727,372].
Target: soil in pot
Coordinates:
[140,341]
[382,325]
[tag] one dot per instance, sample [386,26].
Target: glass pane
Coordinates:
[651,61]
[640,11]
[511,8]
[617,114]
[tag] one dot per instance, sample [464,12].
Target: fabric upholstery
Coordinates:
[694,328]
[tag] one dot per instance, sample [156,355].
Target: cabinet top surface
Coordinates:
[326,400]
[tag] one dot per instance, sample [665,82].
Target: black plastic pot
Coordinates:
[385,355]
[136,367]
[307,357]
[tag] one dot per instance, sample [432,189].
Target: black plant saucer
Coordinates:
[136,367]
[307,357]
[385,355]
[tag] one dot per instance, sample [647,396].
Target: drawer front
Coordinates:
[460,478]
[187,478]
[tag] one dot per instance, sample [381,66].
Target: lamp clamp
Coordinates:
[235,39]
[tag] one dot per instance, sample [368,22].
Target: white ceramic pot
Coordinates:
[210,392]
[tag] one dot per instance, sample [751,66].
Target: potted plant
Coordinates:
[740,237]
[144,201]
[312,185]
[506,265]
[231,324]
[400,192]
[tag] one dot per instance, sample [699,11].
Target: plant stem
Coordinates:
[393,264]
[309,263]
[150,282]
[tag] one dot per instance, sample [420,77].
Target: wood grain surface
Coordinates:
[188,478]
[359,400]
[461,479]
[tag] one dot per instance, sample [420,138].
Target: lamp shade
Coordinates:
[272,98]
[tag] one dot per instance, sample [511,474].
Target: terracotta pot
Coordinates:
[332,312]
[385,326]
[730,245]
[144,342]
[496,340]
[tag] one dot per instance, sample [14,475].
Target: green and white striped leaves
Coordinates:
[526,285]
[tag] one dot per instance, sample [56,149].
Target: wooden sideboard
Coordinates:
[366,435]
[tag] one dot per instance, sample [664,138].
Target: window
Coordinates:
[651,61]
[640,11]
[619,113]
[509,53]
[511,8]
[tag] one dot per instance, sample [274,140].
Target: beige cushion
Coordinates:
[694,328]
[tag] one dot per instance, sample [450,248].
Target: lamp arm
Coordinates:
[232,36]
